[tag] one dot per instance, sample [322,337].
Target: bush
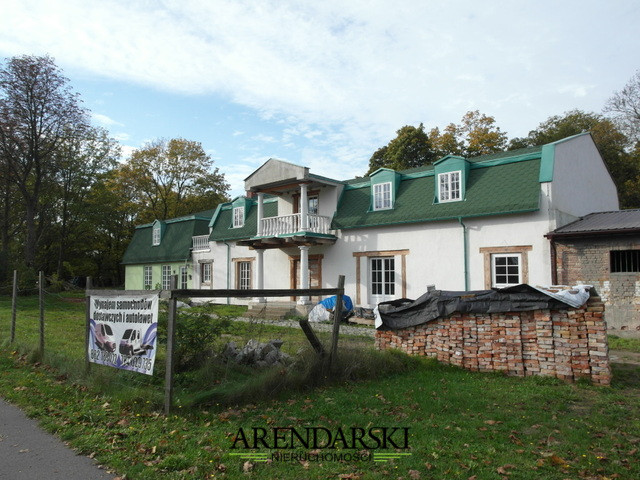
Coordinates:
[195,336]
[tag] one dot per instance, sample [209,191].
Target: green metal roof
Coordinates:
[222,229]
[175,244]
[498,186]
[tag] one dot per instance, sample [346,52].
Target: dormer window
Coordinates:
[238,217]
[449,187]
[156,234]
[382,196]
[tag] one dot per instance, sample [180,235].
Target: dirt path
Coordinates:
[622,356]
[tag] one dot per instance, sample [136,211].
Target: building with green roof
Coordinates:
[459,224]
[161,249]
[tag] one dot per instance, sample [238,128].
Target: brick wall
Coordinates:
[587,261]
[568,344]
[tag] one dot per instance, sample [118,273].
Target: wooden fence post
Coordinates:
[337,318]
[41,301]
[14,304]
[87,328]
[171,321]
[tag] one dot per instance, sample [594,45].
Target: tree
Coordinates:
[80,160]
[38,110]
[171,179]
[607,136]
[625,107]
[410,148]
[477,134]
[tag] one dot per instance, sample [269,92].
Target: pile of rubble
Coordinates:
[257,354]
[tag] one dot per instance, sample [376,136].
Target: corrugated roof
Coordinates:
[601,222]
[497,189]
[175,245]
[222,229]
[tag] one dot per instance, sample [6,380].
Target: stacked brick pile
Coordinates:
[568,344]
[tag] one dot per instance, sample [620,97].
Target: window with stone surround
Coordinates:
[243,269]
[205,273]
[505,266]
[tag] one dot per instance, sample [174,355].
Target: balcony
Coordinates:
[289,224]
[201,243]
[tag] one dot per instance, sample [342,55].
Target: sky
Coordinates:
[324,84]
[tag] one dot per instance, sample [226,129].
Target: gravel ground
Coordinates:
[363,331]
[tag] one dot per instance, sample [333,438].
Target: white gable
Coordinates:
[275,172]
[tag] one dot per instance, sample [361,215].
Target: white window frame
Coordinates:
[382,198]
[449,186]
[184,277]
[205,273]
[166,277]
[497,270]
[238,217]
[313,203]
[155,235]
[243,272]
[147,277]
[382,278]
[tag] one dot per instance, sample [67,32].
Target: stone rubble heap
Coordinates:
[257,354]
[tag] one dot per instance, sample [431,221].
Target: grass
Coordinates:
[461,424]
[626,344]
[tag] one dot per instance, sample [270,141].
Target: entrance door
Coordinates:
[315,274]
[382,279]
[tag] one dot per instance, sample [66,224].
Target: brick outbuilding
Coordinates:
[603,249]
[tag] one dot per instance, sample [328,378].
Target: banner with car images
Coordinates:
[122,331]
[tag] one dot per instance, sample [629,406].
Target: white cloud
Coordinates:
[121,136]
[126,151]
[105,121]
[576,90]
[346,75]
[263,138]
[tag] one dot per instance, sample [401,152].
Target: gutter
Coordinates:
[465,254]
[554,262]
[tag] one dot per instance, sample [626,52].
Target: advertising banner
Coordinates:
[123,331]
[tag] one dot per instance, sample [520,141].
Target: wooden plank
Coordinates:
[235,293]
[337,318]
[113,293]
[311,336]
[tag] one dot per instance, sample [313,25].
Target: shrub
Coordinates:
[194,339]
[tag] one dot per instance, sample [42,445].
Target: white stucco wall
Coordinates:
[581,182]
[435,255]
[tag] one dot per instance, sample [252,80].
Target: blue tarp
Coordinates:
[330,303]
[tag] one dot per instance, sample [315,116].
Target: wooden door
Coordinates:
[315,274]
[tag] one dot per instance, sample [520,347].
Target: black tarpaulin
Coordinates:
[404,313]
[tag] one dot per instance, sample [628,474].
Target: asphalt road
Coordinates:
[28,453]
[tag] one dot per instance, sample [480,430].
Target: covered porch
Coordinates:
[300,223]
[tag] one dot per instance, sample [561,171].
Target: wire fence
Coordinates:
[46,321]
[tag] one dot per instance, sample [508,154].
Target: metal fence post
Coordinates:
[41,301]
[14,304]
[87,329]
[171,321]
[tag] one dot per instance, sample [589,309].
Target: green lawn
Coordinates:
[461,424]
